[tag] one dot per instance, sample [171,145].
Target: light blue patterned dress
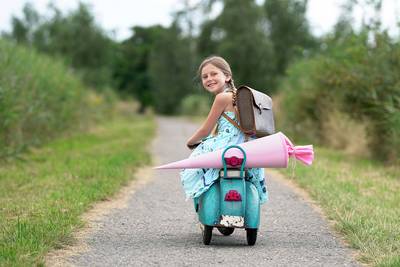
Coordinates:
[197,181]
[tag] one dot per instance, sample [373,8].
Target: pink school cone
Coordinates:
[272,151]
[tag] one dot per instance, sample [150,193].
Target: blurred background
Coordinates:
[331,67]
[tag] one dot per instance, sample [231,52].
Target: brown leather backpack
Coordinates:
[254,112]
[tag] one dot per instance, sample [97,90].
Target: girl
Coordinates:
[216,77]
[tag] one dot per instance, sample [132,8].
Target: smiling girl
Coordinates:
[216,78]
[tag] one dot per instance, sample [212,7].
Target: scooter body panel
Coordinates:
[209,205]
[252,218]
[213,210]
[232,196]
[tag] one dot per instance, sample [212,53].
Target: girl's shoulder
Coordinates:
[224,100]
[225,96]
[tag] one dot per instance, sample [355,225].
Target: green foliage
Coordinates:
[44,196]
[288,31]
[195,105]
[23,31]
[258,41]
[171,68]
[237,34]
[357,77]
[299,111]
[131,68]
[208,39]
[155,65]
[39,98]
[367,78]
[75,37]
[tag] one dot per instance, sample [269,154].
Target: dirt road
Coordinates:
[157,227]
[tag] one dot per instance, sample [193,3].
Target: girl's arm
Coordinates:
[220,102]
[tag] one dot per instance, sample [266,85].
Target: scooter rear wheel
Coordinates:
[251,235]
[207,234]
[226,230]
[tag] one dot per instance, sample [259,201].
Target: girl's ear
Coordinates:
[228,79]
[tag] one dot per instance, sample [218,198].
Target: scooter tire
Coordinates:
[207,234]
[251,235]
[226,230]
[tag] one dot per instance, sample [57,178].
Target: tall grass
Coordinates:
[39,98]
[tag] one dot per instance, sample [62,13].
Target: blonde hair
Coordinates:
[221,64]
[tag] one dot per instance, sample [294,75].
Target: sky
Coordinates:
[119,16]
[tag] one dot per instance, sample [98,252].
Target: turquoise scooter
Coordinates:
[231,202]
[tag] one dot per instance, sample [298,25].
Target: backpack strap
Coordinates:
[246,136]
[232,121]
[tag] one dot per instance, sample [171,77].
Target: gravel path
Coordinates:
[159,228]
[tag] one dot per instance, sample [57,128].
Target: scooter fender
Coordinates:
[252,218]
[209,205]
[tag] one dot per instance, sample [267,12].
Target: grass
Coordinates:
[362,197]
[43,194]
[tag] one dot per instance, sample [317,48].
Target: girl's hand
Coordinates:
[192,146]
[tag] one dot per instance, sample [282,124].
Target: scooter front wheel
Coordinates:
[226,230]
[207,234]
[251,234]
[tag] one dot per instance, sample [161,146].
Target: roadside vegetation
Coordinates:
[44,193]
[63,146]
[346,101]
[39,99]
[66,139]
[361,197]
[347,97]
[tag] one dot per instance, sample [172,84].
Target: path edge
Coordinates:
[305,196]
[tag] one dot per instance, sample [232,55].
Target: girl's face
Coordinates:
[213,79]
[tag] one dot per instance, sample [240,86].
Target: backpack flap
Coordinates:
[261,101]
[263,115]
[255,112]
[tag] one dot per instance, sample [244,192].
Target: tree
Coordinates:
[156,66]
[288,30]
[171,68]
[23,29]
[238,35]
[131,70]
[75,37]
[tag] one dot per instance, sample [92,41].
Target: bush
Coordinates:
[357,78]
[195,105]
[39,98]
[296,106]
